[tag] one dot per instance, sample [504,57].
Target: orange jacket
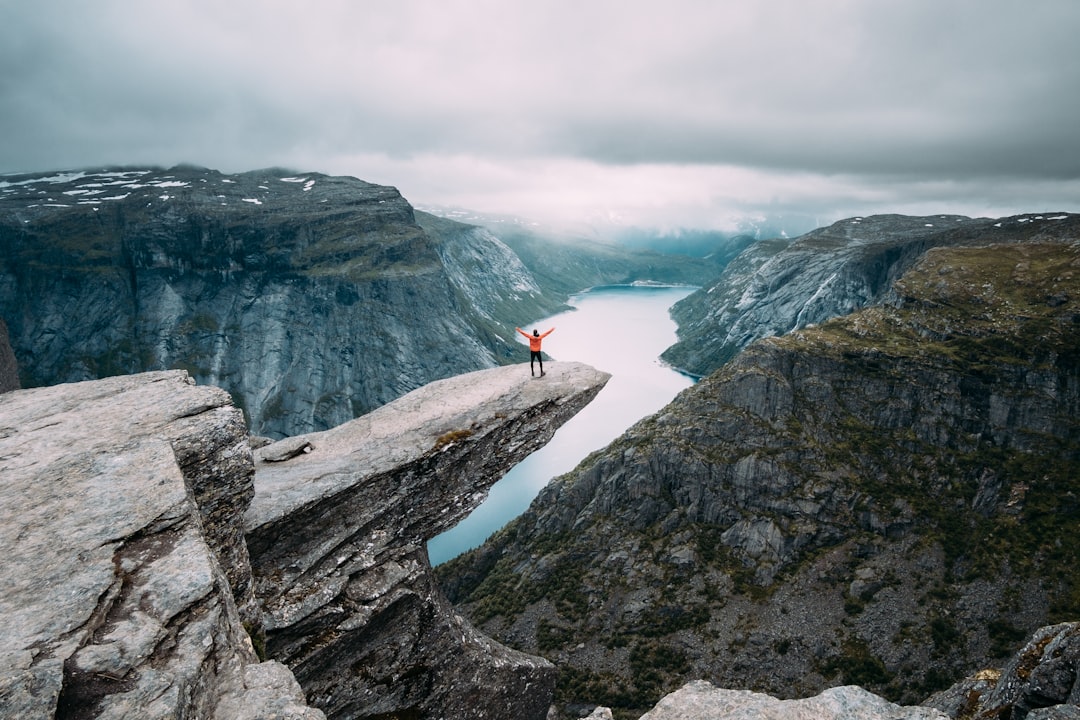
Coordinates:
[534,340]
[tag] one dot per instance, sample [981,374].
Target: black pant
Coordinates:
[534,355]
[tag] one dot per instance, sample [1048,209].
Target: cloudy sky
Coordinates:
[681,113]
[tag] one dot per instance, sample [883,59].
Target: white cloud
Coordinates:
[687,111]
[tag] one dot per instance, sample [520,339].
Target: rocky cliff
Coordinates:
[886,499]
[776,286]
[310,299]
[146,546]
[338,531]
[494,281]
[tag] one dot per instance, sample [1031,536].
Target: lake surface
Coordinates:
[619,329]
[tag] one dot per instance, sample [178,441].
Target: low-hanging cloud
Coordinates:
[687,113]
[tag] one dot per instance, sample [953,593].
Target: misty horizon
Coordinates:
[691,115]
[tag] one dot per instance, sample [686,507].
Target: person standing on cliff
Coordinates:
[534,348]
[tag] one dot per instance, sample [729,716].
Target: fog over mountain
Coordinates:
[686,115]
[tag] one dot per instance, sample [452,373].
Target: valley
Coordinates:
[873,482]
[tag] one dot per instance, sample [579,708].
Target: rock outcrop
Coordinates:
[886,499]
[777,286]
[1041,682]
[700,700]
[337,534]
[129,507]
[122,532]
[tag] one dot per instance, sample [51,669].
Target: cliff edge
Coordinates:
[338,529]
[130,504]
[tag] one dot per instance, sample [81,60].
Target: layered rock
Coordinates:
[885,499]
[128,586]
[121,527]
[337,534]
[777,286]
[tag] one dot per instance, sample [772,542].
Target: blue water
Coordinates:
[621,330]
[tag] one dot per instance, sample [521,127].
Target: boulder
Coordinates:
[121,531]
[1042,680]
[700,700]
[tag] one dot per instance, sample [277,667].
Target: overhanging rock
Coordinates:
[337,535]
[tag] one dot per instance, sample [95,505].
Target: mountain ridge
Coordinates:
[781,285]
[863,501]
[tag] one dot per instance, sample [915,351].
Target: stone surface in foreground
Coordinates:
[700,700]
[115,603]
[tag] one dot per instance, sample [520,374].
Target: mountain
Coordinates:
[888,498]
[777,285]
[311,299]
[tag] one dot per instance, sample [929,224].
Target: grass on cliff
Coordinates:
[973,308]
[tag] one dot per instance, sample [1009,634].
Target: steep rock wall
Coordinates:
[886,499]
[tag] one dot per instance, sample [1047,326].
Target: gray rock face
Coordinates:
[497,285]
[311,299]
[337,538]
[701,701]
[121,527]
[777,286]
